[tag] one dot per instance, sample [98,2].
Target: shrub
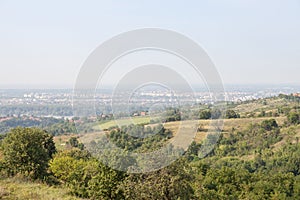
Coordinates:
[27,151]
[293,118]
[269,124]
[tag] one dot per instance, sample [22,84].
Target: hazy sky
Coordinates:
[44,43]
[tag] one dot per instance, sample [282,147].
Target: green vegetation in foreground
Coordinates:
[14,188]
[257,157]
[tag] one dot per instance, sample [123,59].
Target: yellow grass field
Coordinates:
[228,125]
[13,188]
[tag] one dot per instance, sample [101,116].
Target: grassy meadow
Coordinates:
[18,189]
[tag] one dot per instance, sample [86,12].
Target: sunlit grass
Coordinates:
[12,188]
[123,122]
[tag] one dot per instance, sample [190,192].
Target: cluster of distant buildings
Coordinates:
[144,98]
[23,97]
[142,113]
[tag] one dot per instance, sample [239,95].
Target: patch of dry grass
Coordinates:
[229,125]
[14,189]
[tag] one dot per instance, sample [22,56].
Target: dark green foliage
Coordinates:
[52,125]
[267,176]
[86,177]
[256,138]
[231,114]
[62,127]
[287,160]
[293,118]
[135,136]
[224,183]
[205,114]
[216,114]
[106,184]
[269,125]
[172,182]
[27,151]
[76,153]
[2,136]
[73,142]
[192,152]
[171,114]
[6,125]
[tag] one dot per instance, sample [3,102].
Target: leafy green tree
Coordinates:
[205,114]
[171,114]
[73,173]
[105,184]
[231,114]
[85,176]
[172,182]
[73,142]
[293,118]
[296,186]
[224,183]
[27,151]
[192,152]
[269,124]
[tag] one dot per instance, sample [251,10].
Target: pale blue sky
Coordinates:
[44,43]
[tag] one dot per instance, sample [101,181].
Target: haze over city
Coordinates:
[44,44]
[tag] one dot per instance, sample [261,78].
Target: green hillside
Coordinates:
[256,156]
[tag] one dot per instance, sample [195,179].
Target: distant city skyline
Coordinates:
[44,44]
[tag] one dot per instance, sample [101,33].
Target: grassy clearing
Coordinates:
[87,138]
[14,189]
[267,105]
[229,124]
[61,140]
[243,123]
[123,122]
